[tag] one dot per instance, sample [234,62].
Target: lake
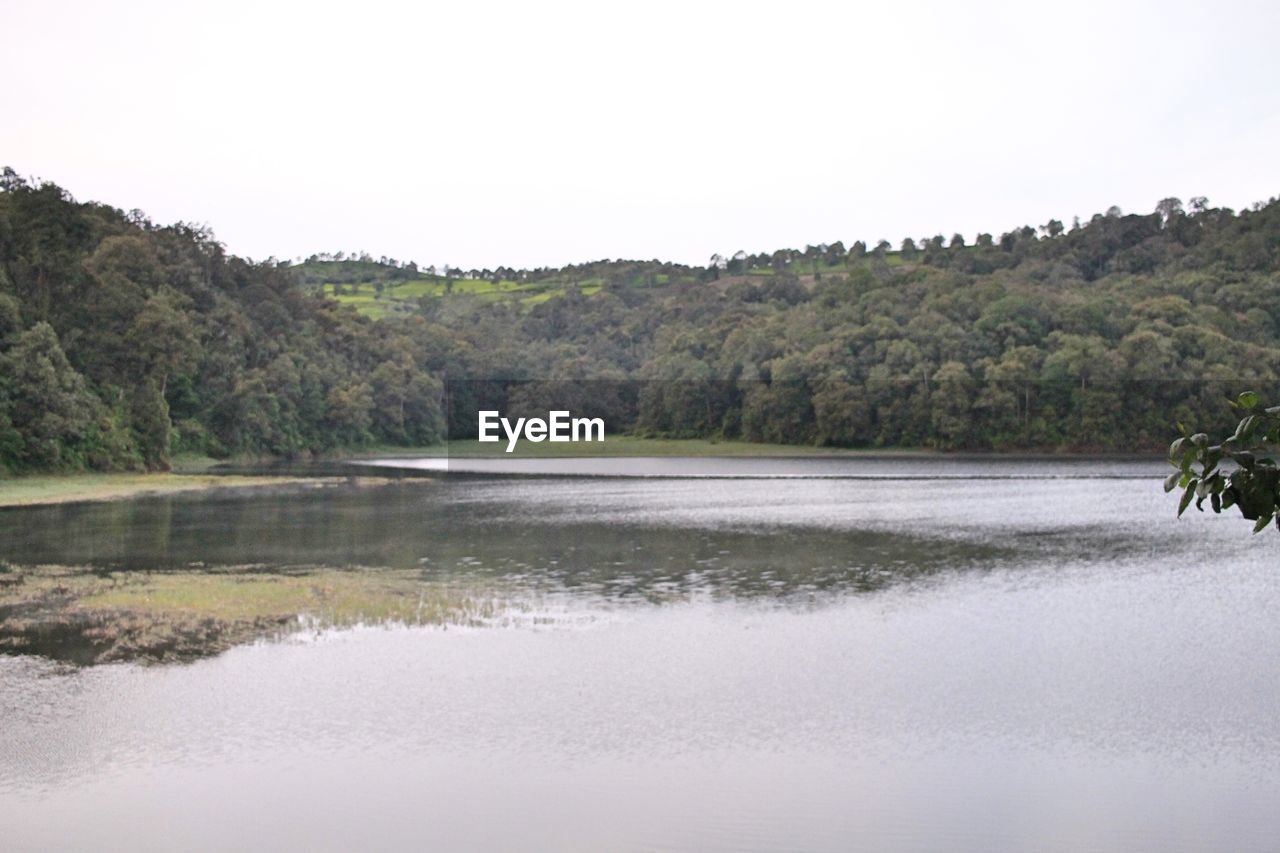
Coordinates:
[705,654]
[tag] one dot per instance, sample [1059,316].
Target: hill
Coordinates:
[1095,337]
[122,341]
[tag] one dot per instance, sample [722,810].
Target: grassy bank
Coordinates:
[80,488]
[191,473]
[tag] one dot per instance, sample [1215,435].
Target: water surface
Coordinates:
[1041,660]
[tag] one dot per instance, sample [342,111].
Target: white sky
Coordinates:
[528,133]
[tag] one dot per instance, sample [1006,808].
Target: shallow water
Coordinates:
[1046,662]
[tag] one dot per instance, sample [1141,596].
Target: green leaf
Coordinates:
[1171,482]
[1215,502]
[1245,428]
[1186,498]
[1248,399]
[1262,522]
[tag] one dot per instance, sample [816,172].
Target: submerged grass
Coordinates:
[88,616]
[76,488]
[329,597]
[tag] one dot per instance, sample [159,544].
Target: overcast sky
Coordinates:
[534,133]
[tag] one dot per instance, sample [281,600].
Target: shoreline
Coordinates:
[627,446]
[66,489]
[201,474]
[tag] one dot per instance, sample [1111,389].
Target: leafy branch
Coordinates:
[1252,483]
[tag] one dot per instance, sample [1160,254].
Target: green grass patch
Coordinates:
[399,297]
[89,616]
[536,299]
[81,488]
[330,597]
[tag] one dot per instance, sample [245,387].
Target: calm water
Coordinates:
[1012,656]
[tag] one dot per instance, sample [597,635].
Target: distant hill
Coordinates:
[379,289]
[122,341]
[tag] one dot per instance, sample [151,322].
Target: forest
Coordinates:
[124,342]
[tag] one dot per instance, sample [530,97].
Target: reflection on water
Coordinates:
[616,537]
[902,466]
[831,664]
[452,531]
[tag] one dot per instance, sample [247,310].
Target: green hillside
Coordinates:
[377,289]
[122,341]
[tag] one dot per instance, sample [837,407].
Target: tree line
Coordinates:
[1099,337]
[123,342]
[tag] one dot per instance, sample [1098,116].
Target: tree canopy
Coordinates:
[123,342]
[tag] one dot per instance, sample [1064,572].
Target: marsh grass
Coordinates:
[77,488]
[94,616]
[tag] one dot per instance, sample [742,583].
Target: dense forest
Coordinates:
[123,342]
